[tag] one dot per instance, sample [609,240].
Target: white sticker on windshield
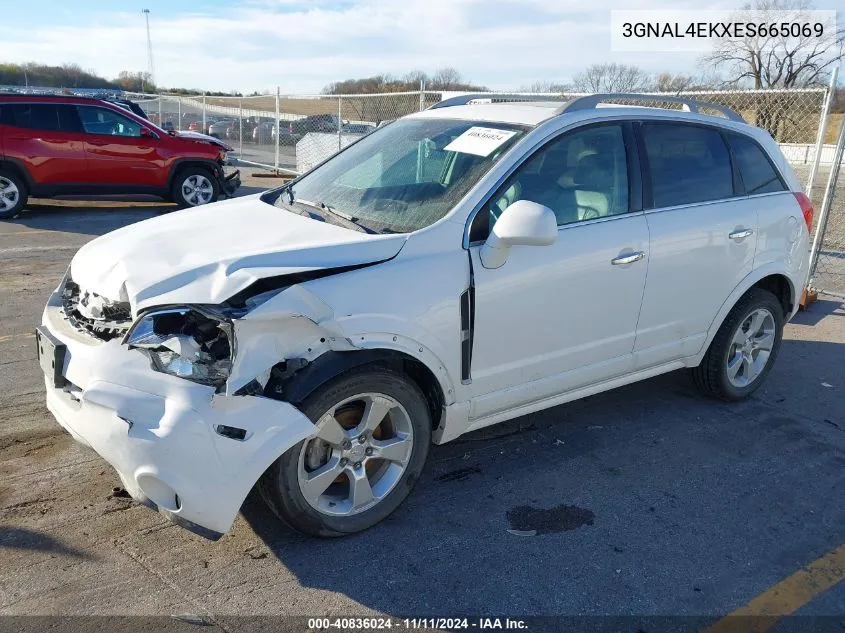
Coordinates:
[480,141]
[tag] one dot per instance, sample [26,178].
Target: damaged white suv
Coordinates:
[456,268]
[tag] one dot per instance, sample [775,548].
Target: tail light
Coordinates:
[806,209]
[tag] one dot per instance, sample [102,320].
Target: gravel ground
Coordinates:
[647,500]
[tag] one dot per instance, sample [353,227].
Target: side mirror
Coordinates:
[148,133]
[523,223]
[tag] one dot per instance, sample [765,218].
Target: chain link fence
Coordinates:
[292,133]
[287,133]
[827,259]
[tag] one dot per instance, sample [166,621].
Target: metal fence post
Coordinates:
[422,95]
[179,113]
[204,126]
[160,120]
[831,91]
[339,120]
[240,127]
[278,134]
[829,192]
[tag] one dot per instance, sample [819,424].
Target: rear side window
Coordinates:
[758,174]
[688,164]
[36,116]
[41,116]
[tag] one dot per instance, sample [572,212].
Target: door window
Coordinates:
[688,164]
[758,174]
[97,120]
[582,175]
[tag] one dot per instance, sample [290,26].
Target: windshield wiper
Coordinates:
[350,219]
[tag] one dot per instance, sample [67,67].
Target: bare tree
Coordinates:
[416,77]
[611,78]
[546,86]
[446,79]
[670,82]
[776,61]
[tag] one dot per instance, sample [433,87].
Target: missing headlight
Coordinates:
[190,342]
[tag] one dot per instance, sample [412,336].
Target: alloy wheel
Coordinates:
[360,453]
[9,194]
[751,347]
[197,190]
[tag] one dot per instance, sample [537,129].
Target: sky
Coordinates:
[302,45]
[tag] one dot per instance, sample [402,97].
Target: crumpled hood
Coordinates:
[209,253]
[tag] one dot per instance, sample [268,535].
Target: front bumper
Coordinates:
[158,431]
[230,183]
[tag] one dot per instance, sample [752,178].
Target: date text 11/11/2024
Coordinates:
[449,624]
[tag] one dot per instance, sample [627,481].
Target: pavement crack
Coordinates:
[175,588]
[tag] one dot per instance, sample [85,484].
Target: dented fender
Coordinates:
[297,324]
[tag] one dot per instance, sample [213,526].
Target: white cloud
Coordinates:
[259,44]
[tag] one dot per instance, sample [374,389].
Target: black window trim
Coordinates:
[728,134]
[725,133]
[69,108]
[634,169]
[648,203]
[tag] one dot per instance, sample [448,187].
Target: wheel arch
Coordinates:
[332,364]
[180,164]
[771,278]
[18,168]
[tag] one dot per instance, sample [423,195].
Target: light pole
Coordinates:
[150,65]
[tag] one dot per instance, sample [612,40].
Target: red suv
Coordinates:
[52,146]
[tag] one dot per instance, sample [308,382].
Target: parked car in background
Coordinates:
[325,123]
[263,132]
[195,126]
[226,128]
[457,268]
[286,137]
[357,128]
[58,145]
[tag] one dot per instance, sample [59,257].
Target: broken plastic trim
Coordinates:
[195,342]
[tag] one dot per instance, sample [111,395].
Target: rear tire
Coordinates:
[744,349]
[359,488]
[194,186]
[13,194]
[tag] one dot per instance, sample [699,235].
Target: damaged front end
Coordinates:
[192,342]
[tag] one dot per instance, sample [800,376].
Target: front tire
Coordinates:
[13,194]
[744,349]
[194,186]
[373,439]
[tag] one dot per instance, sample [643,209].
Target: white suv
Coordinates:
[459,267]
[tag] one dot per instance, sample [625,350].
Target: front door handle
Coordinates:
[627,259]
[741,234]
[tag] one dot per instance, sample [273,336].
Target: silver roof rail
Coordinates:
[591,101]
[492,97]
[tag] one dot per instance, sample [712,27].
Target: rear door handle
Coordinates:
[627,259]
[741,234]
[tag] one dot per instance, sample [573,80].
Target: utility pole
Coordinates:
[150,65]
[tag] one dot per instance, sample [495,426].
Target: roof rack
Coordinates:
[591,101]
[492,97]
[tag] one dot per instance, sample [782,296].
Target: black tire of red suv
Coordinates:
[711,376]
[15,193]
[185,199]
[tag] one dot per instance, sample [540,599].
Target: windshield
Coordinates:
[406,175]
